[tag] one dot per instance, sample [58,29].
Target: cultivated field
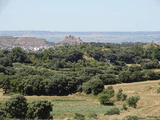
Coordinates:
[66,106]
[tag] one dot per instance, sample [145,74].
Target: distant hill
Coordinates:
[152,44]
[35,44]
[27,43]
[70,40]
[112,37]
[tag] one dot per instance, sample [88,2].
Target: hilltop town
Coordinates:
[35,44]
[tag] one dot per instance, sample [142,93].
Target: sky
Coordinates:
[80,15]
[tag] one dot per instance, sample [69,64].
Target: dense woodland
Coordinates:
[83,68]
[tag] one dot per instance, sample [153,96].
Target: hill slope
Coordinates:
[27,43]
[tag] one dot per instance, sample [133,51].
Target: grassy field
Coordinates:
[66,106]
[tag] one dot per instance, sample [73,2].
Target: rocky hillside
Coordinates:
[27,43]
[35,44]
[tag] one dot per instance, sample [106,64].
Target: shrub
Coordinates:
[158,90]
[137,76]
[109,91]
[151,75]
[39,110]
[132,101]
[55,85]
[135,68]
[124,97]
[119,94]
[79,116]
[94,86]
[105,99]
[125,106]
[113,111]
[151,65]
[124,76]
[16,107]
[1,113]
[109,79]
[153,117]
[131,117]
[92,115]
[5,83]
[128,76]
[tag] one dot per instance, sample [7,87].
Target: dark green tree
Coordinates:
[39,110]
[16,107]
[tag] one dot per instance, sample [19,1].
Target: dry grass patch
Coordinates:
[156,70]
[149,103]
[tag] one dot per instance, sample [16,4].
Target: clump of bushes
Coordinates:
[124,106]
[134,68]
[92,115]
[94,86]
[131,117]
[79,116]
[17,107]
[132,101]
[109,79]
[121,96]
[59,85]
[158,90]
[113,111]
[151,75]
[106,95]
[39,110]
[109,91]
[105,99]
[1,112]
[151,65]
[129,76]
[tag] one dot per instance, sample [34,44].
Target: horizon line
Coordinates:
[76,31]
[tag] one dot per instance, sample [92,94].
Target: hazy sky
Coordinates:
[80,15]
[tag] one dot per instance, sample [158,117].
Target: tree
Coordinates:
[79,116]
[5,83]
[74,56]
[39,110]
[54,85]
[109,79]
[138,49]
[97,54]
[18,55]
[94,86]
[124,76]
[135,68]
[5,61]
[121,96]
[109,91]
[151,65]
[105,99]
[113,111]
[16,107]
[132,101]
